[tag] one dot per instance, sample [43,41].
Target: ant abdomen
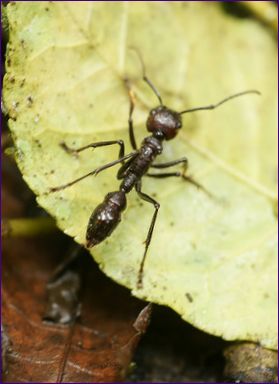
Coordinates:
[105,218]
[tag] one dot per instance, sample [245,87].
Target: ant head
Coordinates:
[163,123]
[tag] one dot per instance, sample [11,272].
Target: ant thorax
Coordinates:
[153,144]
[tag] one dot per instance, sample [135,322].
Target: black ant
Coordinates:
[164,124]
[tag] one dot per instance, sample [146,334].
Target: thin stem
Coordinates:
[27,227]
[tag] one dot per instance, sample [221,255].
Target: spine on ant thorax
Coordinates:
[150,148]
[107,215]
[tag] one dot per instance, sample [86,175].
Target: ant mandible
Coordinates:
[164,124]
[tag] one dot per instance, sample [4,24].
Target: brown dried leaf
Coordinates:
[98,347]
[92,349]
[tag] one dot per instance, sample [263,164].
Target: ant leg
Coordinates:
[95,172]
[150,231]
[195,183]
[182,174]
[131,110]
[184,177]
[95,145]
[163,175]
[183,160]
[124,167]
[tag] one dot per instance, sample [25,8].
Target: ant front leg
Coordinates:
[156,205]
[96,145]
[181,174]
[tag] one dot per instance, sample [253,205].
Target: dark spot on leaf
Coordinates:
[189,297]
[29,101]
[38,143]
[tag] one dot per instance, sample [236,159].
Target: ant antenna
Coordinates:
[213,106]
[145,78]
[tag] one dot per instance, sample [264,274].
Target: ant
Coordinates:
[164,124]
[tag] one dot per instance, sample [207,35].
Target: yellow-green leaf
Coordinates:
[213,260]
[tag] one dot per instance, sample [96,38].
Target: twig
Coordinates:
[27,227]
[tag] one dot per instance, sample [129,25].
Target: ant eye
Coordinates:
[178,124]
[153,112]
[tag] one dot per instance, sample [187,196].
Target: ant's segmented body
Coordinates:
[164,124]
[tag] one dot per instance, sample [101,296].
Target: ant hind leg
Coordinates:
[94,172]
[156,205]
